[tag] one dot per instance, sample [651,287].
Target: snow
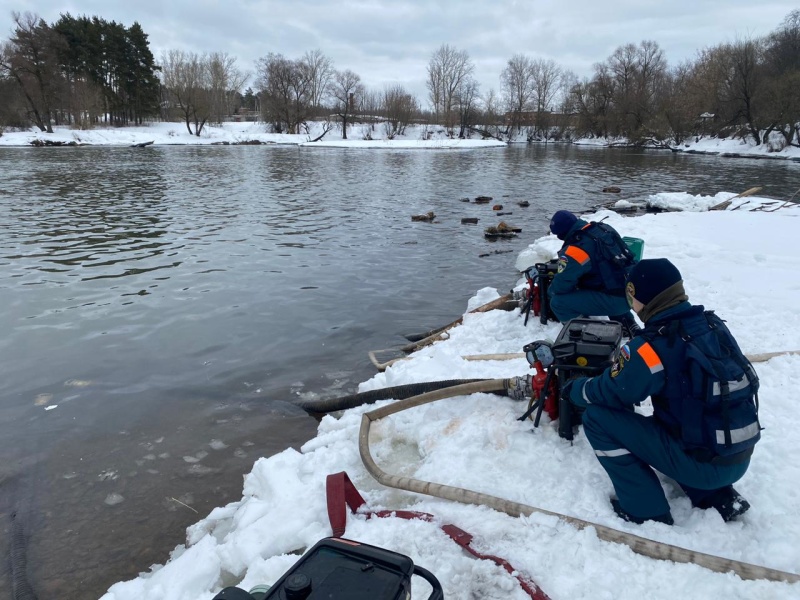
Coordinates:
[683,201]
[245,133]
[774,147]
[360,135]
[734,261]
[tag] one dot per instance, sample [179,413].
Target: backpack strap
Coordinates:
[675,341]
[714,323]
[735,353]
[672,330]
[621,246]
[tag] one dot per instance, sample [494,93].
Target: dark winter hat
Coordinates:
[561,223]
[649,277]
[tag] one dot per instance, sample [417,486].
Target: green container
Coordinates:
[635,245]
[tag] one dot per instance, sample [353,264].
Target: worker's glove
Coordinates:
[519,388]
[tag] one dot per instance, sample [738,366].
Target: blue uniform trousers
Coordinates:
[628,444]
[579,303]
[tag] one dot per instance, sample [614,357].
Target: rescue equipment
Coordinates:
[338,568]
[340,491]
[637,544]
[613,258]
[583,348]
[710,401]
[534,297]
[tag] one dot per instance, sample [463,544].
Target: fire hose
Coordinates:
[640,545]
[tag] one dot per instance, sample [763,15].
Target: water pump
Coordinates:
[534,297]
[583,348]
[340,569]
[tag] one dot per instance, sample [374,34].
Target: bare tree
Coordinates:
[465,101]
[225,82]
[447,71]
[743,85]
[682,104]
[782,56]
[30,59]
[783,45]
[399,107]
[13,108]
[284,88]
[346,90]
[621,67]
[624,97]
[320,71]
[730,80]
[545,76]
[566,106]
[516,83]
[493,120]
[593,100]
[186,76]
[649,82]
[372,104]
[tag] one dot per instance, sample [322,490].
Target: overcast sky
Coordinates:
[391,41]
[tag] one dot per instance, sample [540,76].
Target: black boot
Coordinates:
[727,502]
[630,327]
[666,518]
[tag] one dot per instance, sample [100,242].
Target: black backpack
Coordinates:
[613,260]
[711,387]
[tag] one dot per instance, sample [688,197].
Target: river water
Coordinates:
[162,308]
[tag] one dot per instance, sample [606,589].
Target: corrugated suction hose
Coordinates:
[398,392]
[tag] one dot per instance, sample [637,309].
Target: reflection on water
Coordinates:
[168,304]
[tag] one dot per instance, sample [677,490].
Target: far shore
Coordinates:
[359,136]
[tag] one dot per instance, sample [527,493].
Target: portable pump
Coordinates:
[583,348]
[340,569]
[535,296]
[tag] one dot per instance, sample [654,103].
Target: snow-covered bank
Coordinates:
[733,261]
[359,135]
[161,134]
[738,148]
[730,147]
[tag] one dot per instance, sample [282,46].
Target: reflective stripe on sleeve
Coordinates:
[577,254]
[650,358]
[612,453]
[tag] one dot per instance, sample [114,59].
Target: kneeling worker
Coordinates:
[592,265]
[704,424]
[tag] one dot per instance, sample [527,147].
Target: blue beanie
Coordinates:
[561,223]
[651,276]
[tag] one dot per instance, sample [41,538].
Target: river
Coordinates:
[164,306]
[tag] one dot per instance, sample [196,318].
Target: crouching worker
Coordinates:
[703,390]
[592,265]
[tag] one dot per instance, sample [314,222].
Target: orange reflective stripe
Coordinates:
[576,253]
[650,358]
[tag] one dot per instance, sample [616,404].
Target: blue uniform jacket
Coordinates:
[637,374]
[575,269]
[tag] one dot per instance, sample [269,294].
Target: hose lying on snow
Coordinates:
[638,544]
[503,302]
[398,392]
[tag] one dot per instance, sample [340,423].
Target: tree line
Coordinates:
[78,71]
[87,71]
